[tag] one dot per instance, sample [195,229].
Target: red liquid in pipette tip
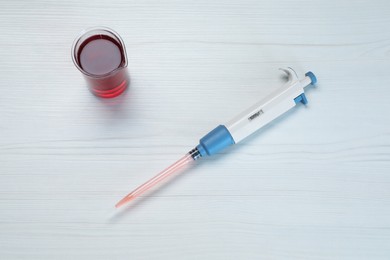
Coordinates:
[176,167]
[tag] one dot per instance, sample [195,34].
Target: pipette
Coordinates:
[240,127]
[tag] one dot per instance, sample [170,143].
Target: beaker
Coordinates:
[100,54]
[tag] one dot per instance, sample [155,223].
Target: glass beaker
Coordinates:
[100,54]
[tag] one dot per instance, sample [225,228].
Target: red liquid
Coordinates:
[103,59]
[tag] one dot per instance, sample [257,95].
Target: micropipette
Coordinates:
[240,127]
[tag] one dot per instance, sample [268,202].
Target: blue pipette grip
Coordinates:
[215,141]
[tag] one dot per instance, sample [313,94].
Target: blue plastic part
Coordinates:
[301,99]
[312,77]
[215,141]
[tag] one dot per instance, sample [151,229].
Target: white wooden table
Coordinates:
[315,184]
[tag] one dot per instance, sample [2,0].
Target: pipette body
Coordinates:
[237,129]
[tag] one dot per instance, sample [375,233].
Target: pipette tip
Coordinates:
[123,201]
[177,166]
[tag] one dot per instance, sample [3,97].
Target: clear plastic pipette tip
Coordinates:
[177,166]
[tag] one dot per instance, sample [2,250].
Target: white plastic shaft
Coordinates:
[266,110]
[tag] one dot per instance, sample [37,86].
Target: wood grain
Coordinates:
[314,184]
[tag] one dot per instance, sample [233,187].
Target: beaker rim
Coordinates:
[88,32]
